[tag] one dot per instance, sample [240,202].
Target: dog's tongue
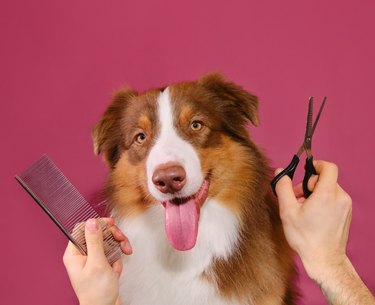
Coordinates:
[181,224]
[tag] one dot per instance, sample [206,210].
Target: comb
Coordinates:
[67,208]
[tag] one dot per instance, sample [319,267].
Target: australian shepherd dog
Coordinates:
[191,191]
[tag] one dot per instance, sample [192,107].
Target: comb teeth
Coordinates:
[54,193]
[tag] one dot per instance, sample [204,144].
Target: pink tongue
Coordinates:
[181,224]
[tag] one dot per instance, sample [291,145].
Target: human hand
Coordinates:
[93,279]
[316,228]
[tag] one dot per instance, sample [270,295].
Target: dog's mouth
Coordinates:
[182,216]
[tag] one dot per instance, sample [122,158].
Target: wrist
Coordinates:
[90,303]
[340,283]
[84,302]
[320,269]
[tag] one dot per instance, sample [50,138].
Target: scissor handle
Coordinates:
[289,171]
[309,171]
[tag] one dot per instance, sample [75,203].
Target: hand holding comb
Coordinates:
[62,202]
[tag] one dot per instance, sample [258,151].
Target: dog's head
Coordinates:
[176,147]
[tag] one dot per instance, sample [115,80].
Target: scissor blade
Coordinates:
[318,116]
[306,145]
[308,132]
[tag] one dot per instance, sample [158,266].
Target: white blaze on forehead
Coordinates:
[170,147]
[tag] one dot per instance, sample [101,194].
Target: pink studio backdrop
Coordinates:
[61,60]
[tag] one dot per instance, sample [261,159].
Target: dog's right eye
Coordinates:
[196,125]
[140,138]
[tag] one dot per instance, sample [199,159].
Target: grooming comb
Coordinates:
[62,202]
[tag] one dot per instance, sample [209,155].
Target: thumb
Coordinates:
[94,242]
[285,194]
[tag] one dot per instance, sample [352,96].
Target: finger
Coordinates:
[298,188]
[328,173]
[117,267]
[70,255]
[117,234]
[109,221]
[94,241]
[72,258]
[72,250]
[285,194]
[312,182]
[126,248]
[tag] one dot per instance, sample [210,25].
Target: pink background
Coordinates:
[61,60]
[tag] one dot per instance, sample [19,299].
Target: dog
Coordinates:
[191,191]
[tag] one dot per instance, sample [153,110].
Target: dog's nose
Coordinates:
[169,178]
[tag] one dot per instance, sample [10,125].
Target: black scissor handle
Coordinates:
[309,171]
[289,171]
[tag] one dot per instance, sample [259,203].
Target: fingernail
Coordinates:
[278,171]
[92,225]
[128,249]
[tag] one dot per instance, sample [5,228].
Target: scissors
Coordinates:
[306,146]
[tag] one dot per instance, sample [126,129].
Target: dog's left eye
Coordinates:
[140,138]
[195,125]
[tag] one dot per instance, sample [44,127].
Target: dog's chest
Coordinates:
[157,274]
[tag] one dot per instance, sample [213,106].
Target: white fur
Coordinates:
[158,274]
[170,147]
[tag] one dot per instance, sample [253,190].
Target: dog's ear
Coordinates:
[107,133]
[232,94]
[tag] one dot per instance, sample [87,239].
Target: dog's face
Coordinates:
[174,147]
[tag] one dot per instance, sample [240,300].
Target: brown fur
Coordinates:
[261,268]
